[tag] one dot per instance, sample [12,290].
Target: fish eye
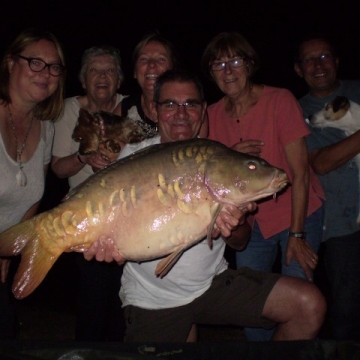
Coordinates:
[251,165]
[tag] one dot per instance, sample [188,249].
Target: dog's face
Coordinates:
[86,132]
[339,113]
[105,133]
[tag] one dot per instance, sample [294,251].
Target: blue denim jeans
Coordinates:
[260,254]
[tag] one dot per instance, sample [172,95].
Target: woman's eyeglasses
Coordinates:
[38,65]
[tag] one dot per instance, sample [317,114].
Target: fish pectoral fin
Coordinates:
[165,265]
[36,262]
[215,212]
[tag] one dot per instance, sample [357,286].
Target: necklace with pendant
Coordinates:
[20,176]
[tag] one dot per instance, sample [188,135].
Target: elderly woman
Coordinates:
[152,56]
[32,76]
[98,315]
[267,122]
[100,76]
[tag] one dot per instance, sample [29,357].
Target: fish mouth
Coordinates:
[276,184]
[279,181]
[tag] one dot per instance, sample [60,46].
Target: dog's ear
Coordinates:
[85,117]
[340,102]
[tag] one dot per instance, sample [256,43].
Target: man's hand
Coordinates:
[103,250]
[229,218]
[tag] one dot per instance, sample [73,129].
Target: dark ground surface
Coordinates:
[47,323]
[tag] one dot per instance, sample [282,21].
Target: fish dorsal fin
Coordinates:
[215,212]
[165,265]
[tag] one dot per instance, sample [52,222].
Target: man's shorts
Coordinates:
[235,297]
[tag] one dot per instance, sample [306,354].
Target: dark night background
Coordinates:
[271,26]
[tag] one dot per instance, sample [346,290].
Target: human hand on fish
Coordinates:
[104,250]
[302,252]
[252,147]
[4,268]
[229,218]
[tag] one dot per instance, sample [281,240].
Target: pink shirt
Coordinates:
[276,120]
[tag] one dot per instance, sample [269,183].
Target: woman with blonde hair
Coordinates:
[32,76]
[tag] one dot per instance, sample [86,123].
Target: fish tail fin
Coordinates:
[165,265]
[36,262]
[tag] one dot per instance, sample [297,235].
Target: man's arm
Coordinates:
[330,157]
[239,237]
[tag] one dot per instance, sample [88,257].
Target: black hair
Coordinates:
[178,75]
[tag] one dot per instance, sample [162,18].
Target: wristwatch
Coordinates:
[300,234]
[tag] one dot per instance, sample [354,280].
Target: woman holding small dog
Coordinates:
[32,76]
[99,315]
[100,76]
[267,122]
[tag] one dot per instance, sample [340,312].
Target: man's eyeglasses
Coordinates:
[172,106]
[324,58]
[38,65]
[221,65]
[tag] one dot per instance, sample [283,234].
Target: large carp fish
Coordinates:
[157,202]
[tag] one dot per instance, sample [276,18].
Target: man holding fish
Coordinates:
[200,289]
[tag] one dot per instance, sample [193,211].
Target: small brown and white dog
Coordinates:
[340,113]
[105,133]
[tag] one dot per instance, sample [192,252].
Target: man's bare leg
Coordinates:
[299,308]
